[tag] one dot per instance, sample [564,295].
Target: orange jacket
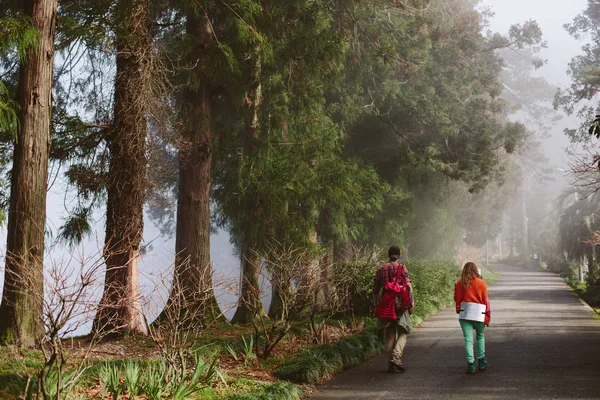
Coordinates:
[475,293]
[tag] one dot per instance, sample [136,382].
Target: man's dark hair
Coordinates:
[394,253]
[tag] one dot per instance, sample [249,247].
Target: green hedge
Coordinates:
[433,282]
[433,285]
[325,361]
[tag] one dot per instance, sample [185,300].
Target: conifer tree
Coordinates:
[119,309]
[193,272]
[21,309]
[584,69]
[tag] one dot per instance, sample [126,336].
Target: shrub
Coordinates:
[324,361]
[566,269]
[353,281]
[433,285]
[432,280]
[592,295]
[275,391]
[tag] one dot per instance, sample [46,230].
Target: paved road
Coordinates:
[542,344]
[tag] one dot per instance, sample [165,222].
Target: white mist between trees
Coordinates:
[155,265]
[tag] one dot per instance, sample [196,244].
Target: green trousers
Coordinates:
[467,328]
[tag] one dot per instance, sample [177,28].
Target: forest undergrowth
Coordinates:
[224,361]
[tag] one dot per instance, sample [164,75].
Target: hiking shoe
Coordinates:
[471,368]
[395,367]
[482,364]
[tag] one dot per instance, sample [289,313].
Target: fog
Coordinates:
[551,16]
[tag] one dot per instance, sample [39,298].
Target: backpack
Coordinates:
[395,298]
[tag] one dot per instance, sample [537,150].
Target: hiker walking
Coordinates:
[473,307]
[393,307]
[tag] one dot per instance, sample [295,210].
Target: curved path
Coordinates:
[542,344]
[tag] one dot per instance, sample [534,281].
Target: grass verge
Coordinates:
[273,391]
[325,361]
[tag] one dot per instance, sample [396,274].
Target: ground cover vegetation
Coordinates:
[311,131]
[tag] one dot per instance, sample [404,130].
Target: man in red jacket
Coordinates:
[396,332]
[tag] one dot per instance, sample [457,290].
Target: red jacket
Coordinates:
[475,293]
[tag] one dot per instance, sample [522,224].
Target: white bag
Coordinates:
[472,311]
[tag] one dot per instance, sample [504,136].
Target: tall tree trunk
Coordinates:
[500,246]
[311,278]
[21,311]
[525,233]
[279,287]
[119,309]
[326,271]
[192,283]
[250,302]
[325,263]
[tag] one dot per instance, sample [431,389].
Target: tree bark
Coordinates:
[324,295]
[500,246]
[119,310]
[192,283]
[249,302]
[21,312]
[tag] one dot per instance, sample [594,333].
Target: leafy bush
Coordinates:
[592,295]
[433,285]
[558,265]
[432,280]
[353,281]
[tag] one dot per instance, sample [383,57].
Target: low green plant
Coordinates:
[274,391]
[324,361]
[566,269]
[110,379]
[63,382]
[131,373]
[229,348]
[154,383]
[203,374]
[248,348]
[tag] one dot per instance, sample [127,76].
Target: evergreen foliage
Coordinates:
[584,70]
[316,124]
[16,36]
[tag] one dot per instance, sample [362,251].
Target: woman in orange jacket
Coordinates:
[473,305]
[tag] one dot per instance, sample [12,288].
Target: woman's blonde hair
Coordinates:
[469,272]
